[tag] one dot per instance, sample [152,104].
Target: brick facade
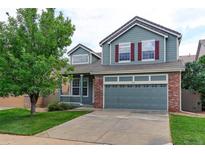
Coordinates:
[98,88]
[174,89]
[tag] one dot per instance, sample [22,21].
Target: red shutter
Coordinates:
[156,49]
[116,53]
[132,51]
[139,51]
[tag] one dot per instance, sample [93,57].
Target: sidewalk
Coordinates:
[6,139]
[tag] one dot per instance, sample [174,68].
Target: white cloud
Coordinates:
[92,25]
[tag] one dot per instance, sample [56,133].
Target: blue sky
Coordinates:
[92,25]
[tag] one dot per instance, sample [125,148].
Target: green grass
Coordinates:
[187,130]
[19,121]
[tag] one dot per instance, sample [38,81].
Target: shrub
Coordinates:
[57,106]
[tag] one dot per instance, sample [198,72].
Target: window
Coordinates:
[110,79]
[80,59]
[76,87]
[141,78]
[125,78]
[158,78]
[148,50]
[124,52]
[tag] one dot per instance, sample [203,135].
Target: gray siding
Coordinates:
[106,54]
[171,48]
[145,97]
[93,59]
[86,100]
[135,35]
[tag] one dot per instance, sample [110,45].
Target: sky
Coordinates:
[93,25]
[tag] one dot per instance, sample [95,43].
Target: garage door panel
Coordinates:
[153,97]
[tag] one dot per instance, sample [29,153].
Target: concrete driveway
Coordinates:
[115,127]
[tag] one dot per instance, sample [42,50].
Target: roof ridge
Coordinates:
[158,24]
[143,21]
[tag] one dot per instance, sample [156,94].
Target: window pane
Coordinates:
[84,91]
[76,82]
[76,91]
[148,55]
[78,59]
[85,83]
[124,56]
[141,78]
[148,45]
[158,78]
[125,78]
[110,79]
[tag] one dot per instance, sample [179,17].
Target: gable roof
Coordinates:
[161,30]
[201,42]
[85,48]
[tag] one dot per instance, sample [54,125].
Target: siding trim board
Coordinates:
[165,50]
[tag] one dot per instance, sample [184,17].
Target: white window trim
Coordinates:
[177,45]
[133,80]
[165,50]
[71,89]
[79,56]
[124,61]
[153,59]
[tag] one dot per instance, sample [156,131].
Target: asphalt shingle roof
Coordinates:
[98,68]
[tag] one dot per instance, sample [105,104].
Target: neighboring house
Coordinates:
[139,68]
[201,49]
[187,58]
[200,52]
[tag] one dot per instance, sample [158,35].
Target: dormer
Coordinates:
[81,54]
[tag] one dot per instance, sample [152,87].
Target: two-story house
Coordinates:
[139,68]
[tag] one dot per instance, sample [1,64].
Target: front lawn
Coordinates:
[187,130]
[19,121]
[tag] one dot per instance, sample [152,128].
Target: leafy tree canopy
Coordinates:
[194,77]
[32,46]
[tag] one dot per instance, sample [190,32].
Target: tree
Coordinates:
[32,46]
[194,77]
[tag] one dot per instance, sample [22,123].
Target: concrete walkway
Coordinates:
[6,139]
[114,127]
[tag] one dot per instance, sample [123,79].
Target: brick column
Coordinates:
[174,90]
[98,89]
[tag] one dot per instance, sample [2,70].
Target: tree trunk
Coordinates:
[34,99]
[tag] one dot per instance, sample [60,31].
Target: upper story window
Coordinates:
[148,50]
[80,59]
[124,52]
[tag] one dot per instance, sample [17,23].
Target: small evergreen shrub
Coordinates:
[57,106]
